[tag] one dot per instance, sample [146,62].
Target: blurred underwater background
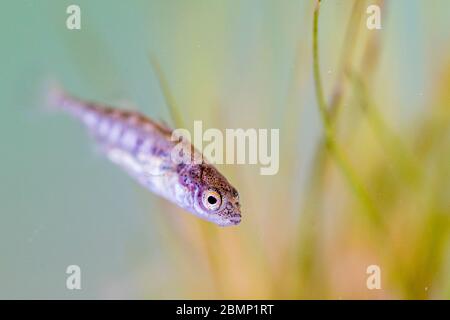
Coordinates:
[364,119]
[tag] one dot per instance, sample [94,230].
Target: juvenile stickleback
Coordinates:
[143,148]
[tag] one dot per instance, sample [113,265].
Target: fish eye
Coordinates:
[211,200]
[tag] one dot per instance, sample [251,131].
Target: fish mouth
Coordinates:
[235,220]
[232,221]
[235,217]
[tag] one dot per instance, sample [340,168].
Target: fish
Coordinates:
[143,148]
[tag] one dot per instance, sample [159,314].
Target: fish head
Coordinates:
[213,197]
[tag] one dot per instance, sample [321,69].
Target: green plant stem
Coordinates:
[402,157]
[331,144]
[168,97]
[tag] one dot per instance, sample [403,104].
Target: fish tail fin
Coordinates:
[54,96]
[58,99]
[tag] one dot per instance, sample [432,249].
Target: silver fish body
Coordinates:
[143,148]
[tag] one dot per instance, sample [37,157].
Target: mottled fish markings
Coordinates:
[142,147]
